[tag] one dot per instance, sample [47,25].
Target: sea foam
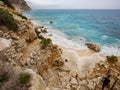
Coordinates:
[61,39]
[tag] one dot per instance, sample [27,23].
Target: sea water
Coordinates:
[74,28]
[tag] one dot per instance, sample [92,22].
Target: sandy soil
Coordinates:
[81,61]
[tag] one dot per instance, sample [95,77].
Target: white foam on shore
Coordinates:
[61,39]
[110,50]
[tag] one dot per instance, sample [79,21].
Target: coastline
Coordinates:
[51,62]
[61,39]
[77,60]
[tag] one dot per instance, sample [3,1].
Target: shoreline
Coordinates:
[58,36]
[62,41]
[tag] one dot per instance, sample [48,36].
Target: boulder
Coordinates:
[58,62]
[51,22]
[73,81]
[37,83]
[93,46]
[1,33]
[4,43]
[30,36]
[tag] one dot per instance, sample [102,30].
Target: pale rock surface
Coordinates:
[4,43]
[73,81]
[36,81]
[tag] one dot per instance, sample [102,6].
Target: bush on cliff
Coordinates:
[7,19]
[24,78]
[112,59]
[23,17]
[45,42]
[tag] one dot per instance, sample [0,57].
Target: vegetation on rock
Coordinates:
[7,19]
[23,17]
[112,59]
[45,42]
[24,78]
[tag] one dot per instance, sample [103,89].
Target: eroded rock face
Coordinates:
[21,4]
[93,46]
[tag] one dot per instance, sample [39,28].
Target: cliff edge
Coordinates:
[19,5]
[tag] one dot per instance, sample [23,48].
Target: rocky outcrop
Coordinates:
[20,5]
[93,46]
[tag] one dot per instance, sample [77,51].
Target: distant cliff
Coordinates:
[20,5]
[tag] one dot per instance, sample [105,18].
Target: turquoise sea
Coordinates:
[73,28]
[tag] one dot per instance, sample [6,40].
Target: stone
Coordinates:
[1,33]
[91,85]
[83,83]
[53,88]
[93,46]
[68,86]
[37,83]
[4,43]
[51,22]
[37,30]
[30,36]
[49,71]
[14,36]
[44,30]
[83,88]
[58,63]
[73,81]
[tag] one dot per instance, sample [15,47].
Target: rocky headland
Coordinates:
[30,61]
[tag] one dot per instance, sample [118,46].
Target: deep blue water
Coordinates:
[99,26]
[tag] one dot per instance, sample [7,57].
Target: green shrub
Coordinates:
[7,19]
[23,17]
[45,42]
[112,59]
[24,78]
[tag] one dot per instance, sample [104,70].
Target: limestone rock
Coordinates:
[30,36]
[4,43]
[1,33]
[93,46]
[83,83]
[73,81]
[14,36]
[58,62]
[91,85]
[36,81]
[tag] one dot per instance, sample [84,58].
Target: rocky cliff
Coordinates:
[29,60]
[21,4]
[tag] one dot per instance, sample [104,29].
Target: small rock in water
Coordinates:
[51,22]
